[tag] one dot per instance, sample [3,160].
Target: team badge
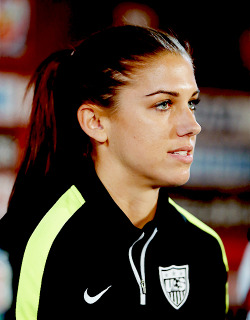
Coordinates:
[175,284]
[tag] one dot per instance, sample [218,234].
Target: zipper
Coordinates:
[141,280]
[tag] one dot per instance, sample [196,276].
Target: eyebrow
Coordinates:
[171,93]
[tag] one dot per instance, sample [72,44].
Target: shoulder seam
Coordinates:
[201,225]
[195,221]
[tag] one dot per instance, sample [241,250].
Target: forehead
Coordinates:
[173,71]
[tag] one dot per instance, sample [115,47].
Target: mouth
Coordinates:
[183,154]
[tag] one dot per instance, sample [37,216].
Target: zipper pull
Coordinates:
[143,286]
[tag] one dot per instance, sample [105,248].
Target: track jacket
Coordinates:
[84,259]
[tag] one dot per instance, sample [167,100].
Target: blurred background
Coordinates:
[218,192]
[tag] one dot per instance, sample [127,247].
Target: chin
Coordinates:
[176,181]
[181,182]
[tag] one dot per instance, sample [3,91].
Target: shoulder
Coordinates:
[58,216]
[50,226]
[201,228]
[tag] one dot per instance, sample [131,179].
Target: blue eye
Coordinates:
[164,105]
[193,103]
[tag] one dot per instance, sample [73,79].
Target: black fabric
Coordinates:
[92,252]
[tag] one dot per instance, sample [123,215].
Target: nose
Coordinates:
[187,124]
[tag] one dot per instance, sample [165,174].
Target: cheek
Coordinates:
[134,143]
[172,130]
[141,137]
[150,145]
[152,137]
[132,130]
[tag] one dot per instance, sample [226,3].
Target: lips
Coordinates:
[184,151]
[183,154]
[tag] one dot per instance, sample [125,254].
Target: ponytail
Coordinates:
[42,129]
[41,141]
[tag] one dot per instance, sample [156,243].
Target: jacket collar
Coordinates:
[93,190]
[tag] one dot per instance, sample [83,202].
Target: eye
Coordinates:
[193,103]
[164,105]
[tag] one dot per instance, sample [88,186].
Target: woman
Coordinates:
[112,127]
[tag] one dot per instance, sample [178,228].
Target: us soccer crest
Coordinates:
[175,284]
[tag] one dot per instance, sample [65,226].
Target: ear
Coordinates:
[91,120]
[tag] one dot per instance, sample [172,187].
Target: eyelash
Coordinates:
[168,103]
[193,104]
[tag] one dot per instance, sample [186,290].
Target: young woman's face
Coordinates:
[152,135]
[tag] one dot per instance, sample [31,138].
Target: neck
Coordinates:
[139,206]
[136,200]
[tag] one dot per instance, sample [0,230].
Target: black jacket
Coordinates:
[99,264]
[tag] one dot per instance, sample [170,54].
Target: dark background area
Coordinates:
[213,29]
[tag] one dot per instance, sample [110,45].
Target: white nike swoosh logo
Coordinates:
[91,300]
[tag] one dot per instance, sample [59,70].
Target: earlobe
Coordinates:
[91,122]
